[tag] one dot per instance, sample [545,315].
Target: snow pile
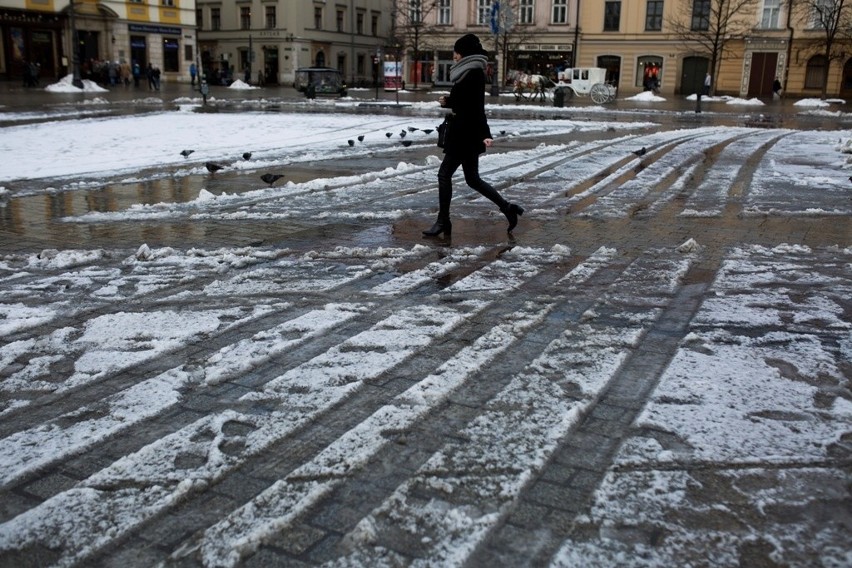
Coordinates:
[66,85]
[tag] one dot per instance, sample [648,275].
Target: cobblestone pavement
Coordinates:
[515,385]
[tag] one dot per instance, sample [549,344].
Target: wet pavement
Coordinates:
[558,349]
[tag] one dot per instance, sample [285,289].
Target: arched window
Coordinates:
[320,59]
[815,73]
[649,72]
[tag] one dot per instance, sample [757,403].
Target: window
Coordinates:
[823,13]
[271,22]
[374,24]
[526,11]
[415,13]
[612,16]
[359,23]
[700,15]
[560,11]
[339,20]
[245,17]
[170,3]
[815,74]
[483,12]
[654,16]
[215,19]
[199,18]
[445,10]
[318,17]
[771,11]
[360,64]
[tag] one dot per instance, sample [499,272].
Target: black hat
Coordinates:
[469,45]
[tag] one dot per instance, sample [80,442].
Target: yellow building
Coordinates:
[160,32]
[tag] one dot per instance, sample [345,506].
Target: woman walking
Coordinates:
[469,134]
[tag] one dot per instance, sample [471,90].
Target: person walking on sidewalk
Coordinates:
[468,136]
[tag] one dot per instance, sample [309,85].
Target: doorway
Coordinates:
[763,67]
[693,74]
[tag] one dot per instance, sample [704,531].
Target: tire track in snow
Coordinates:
[179,465]
[464,490]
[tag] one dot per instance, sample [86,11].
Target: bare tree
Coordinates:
[510,36]
[410,31]
[710,27]
[830,25]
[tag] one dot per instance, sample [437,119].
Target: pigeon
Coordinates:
[641,152]
[351,142]
[186,153]
[271,178]
[502,133]
[412,129]
[361,138]
[406,143]
[427,131]
[402,134]
[246,155]
[388,134]
[213,168]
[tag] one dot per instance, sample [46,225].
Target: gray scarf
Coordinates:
[465,65]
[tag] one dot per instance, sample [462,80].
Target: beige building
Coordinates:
[161,32]
[638,43]
[275,37]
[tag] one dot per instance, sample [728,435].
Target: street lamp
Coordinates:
[75,47]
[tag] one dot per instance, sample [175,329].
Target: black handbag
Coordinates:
[444,130]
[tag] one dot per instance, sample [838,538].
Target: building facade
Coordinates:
[51,33]
[267,40]
[644,44]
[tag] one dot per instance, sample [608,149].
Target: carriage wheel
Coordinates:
[600,93]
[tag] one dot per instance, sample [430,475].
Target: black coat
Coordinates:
[470,127]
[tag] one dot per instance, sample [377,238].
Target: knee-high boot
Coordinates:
[445,195]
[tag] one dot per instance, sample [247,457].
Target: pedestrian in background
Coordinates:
[137,73]
[708,81]
[776,89]
[193,71]
[469,134]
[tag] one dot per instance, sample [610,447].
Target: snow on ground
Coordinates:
[754,401]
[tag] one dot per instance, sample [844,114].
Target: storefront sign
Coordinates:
[153,29]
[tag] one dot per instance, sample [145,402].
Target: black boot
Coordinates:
[512,212]
[442,225]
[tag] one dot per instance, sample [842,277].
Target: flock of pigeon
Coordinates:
[213,167]
[402,134]
[270,179]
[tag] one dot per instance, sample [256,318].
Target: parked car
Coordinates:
[320,81]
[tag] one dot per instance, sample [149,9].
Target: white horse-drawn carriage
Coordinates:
[583,81]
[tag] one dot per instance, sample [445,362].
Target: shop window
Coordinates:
[649,72]
[171,55]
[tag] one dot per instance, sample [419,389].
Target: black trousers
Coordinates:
[470,167]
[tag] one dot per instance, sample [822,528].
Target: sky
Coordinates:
[775,322]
